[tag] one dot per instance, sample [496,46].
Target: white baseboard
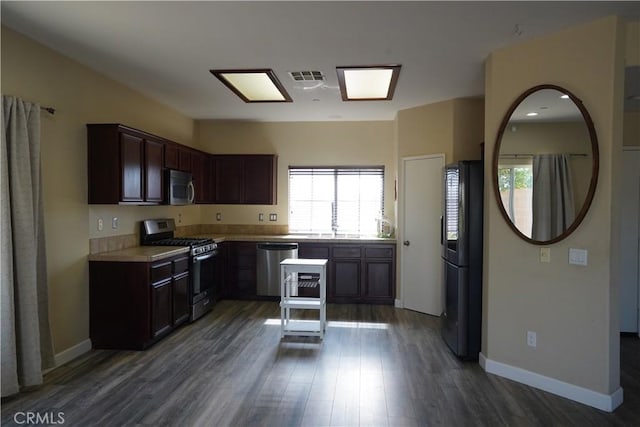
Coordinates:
[604,402]
[398,303]
[71,353]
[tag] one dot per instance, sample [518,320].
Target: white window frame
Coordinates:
[326,200]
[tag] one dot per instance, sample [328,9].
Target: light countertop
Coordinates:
[140,254]
[156,253]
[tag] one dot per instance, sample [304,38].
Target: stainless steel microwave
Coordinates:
[180,190]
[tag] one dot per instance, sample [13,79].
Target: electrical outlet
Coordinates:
[180,218]
[260,217]
[273,217]
[218,216]
[531,338]
[100,224]
[114,222]
[545,254]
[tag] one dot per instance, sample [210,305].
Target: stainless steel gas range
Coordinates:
[204,270]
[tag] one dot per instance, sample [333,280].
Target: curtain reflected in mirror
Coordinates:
[545,164]
[552,197]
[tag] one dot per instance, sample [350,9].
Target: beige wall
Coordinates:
[454,127]
[541,138]
[632,58]
[573,309]
[299,144]
[79,95]
[427,129]
[468,128]
[632,48]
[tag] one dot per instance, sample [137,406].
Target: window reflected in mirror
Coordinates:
[515,184]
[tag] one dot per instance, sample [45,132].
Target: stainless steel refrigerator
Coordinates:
[461,240]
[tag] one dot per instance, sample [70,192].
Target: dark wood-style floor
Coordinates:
[377,366]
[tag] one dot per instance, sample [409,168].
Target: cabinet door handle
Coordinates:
[406,243]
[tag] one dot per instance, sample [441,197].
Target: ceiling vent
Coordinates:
[309,76]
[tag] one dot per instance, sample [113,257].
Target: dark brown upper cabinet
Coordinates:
[202,168]
[198,163]
[171,157]
[177,157]
[245,179]
[125,166]
[229,179]
[153,171]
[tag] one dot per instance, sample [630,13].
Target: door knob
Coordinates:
[406,243]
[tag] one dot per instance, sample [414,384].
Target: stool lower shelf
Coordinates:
[302,328]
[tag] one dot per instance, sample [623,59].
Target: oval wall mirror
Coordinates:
[545,164]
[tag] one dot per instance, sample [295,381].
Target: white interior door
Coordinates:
[421,200]
[630,242]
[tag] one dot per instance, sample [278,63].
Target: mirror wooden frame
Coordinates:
[594,172]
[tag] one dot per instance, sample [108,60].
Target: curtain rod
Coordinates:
[49,110]
[531,155]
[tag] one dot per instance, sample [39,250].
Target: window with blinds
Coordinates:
[347,200]
[451,207]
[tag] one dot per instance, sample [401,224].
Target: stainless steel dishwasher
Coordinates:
[268,260]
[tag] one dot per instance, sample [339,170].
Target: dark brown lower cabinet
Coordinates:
[358,273]
[134,304]
[181,298]
[346,280]
[240,270]
[379,274]
[161,318]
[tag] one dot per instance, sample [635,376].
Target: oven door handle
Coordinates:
[203,257]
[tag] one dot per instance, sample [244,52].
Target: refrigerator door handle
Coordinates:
[441,230]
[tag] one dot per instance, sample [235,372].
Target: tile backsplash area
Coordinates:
[243,229]
[116,243]
[113,243]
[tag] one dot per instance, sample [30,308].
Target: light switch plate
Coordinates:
[218,216]
[578,256]
[545,254]
[114,222]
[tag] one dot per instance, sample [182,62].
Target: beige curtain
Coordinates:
[553,205]
[25,335]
